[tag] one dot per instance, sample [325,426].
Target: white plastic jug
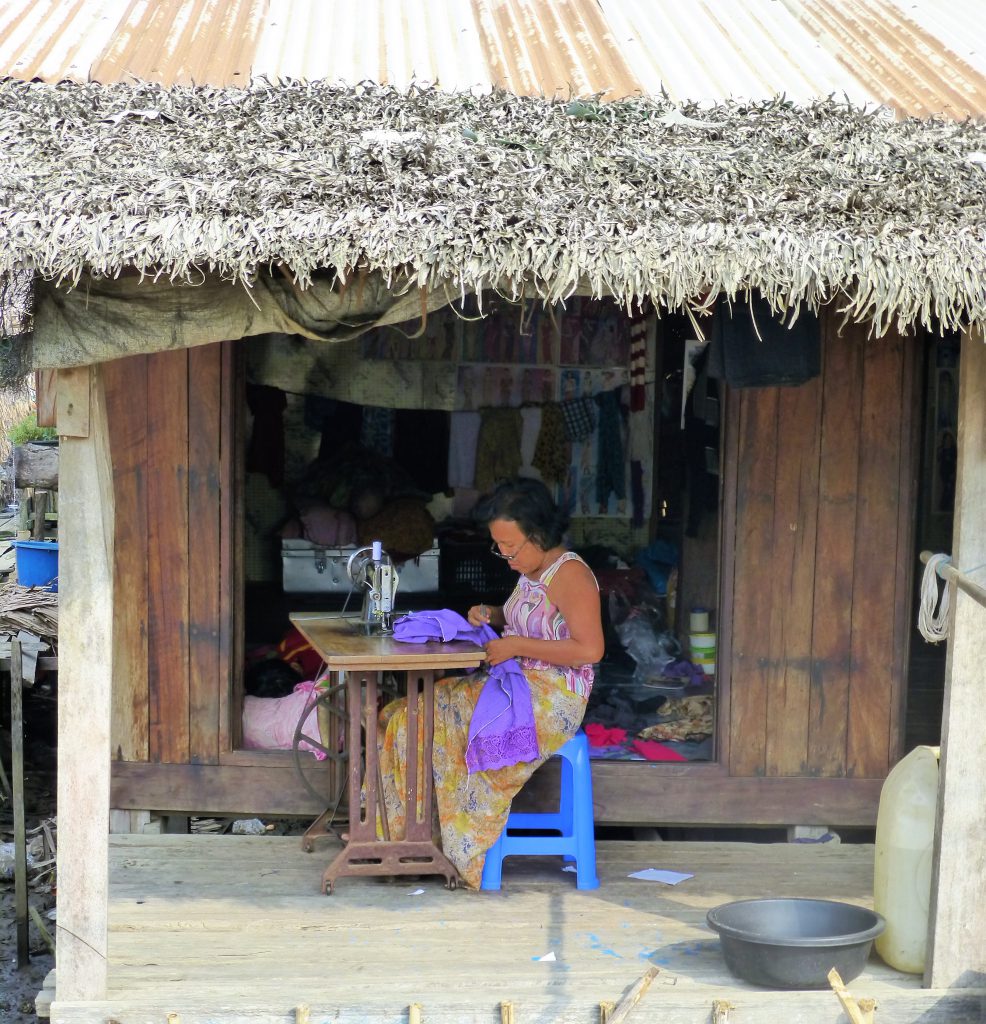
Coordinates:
[905,835]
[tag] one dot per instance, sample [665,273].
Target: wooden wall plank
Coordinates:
[126,403]
[875,568]
[232,586]
[204,518]
[793,572]
[757,425]
[842,355]
[907,514]
[85,660]
[957,933]
[167,548]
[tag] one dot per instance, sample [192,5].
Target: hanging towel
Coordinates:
[502,731]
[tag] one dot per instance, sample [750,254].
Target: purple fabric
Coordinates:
[502,731]
[692,674]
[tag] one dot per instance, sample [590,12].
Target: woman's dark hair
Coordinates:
[529,504]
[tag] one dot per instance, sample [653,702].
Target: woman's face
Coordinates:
[523,555]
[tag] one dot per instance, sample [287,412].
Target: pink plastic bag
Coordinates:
[269,723]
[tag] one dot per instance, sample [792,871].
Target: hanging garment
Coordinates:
[611,470]
[530,416]
[638,362]
[498,447]
[553,451]
[752,348]
[421,444]
[377,432]
[579,415]
[265,453]
[462,439]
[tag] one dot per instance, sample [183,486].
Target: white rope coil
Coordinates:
[933,609]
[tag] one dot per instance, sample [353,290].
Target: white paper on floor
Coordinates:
[657,875]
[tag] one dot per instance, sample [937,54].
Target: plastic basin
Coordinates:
[794,943]
[37,563]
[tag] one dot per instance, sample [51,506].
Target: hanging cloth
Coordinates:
[610,471]
[498,447]
[553,451]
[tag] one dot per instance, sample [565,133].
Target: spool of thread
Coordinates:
[707,666]
[699,620]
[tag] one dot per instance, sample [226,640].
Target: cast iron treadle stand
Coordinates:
[365,853]
[358,661]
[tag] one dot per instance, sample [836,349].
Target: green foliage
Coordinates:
[27,429]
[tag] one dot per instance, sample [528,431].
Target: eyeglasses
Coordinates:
[495,548]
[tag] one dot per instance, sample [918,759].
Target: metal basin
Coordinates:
[794,943]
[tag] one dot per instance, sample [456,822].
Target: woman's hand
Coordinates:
[485,615]
[502,649]
[478,615]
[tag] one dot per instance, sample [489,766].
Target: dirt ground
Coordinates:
[18,987]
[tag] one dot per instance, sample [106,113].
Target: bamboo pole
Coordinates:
[630,1000]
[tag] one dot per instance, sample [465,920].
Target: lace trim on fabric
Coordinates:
[499,751]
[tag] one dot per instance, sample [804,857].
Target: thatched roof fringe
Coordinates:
[634,199]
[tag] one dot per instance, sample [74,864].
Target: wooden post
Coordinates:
[40,512]
[20,833]
[957,919]
[85,662]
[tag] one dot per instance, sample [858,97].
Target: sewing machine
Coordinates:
[371,569]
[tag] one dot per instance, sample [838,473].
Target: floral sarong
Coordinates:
[472,806]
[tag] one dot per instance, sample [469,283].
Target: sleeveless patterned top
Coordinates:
[529,612]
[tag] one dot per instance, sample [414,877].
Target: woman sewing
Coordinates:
[551,638]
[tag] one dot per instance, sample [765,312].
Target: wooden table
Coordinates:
[359,660]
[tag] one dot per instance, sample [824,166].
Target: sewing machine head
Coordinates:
[372,570]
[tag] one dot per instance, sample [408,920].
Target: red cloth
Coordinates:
[599,736]
[296,650]
[654,751]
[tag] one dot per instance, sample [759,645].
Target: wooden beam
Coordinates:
[85,661]
[45,390]
[632,793]
[957,925]
[72,402]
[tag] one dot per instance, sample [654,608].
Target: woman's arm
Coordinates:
[573,590]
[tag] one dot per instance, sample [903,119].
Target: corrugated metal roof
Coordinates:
[919,56]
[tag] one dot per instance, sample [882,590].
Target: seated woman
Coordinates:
[552,627]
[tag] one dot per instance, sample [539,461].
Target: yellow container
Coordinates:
[702,642]
[905,836]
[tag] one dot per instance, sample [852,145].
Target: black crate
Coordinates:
[469,567]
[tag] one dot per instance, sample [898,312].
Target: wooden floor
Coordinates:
[233,929]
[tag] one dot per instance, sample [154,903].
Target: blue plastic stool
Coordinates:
[572,821]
